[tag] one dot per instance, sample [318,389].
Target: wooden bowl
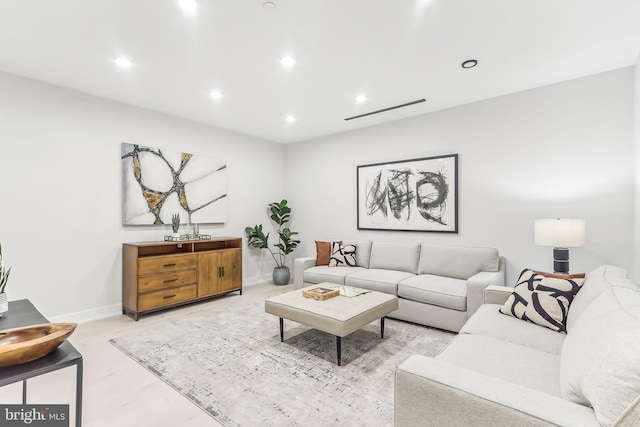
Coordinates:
[21,345]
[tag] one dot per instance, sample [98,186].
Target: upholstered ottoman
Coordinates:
[338,316]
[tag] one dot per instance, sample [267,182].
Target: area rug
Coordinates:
[232,364]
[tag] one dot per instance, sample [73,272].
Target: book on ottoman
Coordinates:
[320,293]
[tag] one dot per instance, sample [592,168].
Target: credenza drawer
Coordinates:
[165,280]
[166,297]
[165,263]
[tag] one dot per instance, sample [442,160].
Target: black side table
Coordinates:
[23,313]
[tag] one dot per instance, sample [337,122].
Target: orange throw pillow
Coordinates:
[323,252]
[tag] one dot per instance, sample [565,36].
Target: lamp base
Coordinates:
[561,260]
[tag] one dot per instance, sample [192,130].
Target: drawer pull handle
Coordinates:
[170,280]
[169,296]
[170,265]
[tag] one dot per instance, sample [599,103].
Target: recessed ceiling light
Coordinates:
[469,63]
[290,119]
[123,62]
[287,61]
[188,5]
[269,5]
[215,94]
[361,98]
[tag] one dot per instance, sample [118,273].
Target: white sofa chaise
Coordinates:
[503,371]
[436,285]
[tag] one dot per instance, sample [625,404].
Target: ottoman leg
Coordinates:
[382,327]
[339,349]
[281,329]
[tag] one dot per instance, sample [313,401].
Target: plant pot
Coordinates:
[281,275]
[175,235]
[4,303]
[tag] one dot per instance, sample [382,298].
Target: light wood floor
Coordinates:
[118,391]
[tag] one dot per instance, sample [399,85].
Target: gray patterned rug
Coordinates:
[232,364]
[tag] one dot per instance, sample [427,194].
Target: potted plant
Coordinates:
[4,278]
[280,214]
[175,224]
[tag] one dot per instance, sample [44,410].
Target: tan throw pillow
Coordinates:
[542,300]
[323,252]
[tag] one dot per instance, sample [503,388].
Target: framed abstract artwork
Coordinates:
[409,195]
[158,183]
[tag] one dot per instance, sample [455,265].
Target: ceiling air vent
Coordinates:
[418,101]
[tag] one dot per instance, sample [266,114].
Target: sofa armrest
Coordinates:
[448,395]
[299,266]
[477,283]
[497,294]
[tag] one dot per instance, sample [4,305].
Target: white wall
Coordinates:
[60,175]
[636,164]
[559,151]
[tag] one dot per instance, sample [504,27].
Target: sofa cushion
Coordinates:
[441,291]
[514,363]
[488,321]
[600,364]
[342,255]
[459,262]
[363,251]
[597,281]
[377,280]
[400,256]
[324,273]
[542,300]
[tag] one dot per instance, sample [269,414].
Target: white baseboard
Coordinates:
[89,315]
[116,309]
[250,281]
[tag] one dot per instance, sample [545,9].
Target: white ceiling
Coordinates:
[395,51]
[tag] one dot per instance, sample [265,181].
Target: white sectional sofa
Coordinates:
[503,371]
[436,285]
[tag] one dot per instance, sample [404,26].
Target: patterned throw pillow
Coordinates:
[542,300]
[342,255]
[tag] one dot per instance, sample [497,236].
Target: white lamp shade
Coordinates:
[560,233]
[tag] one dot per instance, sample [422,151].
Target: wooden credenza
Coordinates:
[158,275]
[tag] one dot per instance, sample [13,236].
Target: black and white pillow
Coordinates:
[542,300]
[342,255]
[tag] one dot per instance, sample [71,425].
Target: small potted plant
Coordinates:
[280,214]
[4,278]
[175,224]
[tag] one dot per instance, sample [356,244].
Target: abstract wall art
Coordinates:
[158,183]
[409,195]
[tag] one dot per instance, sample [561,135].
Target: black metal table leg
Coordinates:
[24,392]
[281,329]
[339,349]
[79,378]
[382,327]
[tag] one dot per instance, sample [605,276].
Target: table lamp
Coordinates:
[562,234]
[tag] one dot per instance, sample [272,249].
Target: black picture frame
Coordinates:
[409,195]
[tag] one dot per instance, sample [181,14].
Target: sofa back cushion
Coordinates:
[363,251]
[458,262]
[600,360]
[401,256]
[597,281]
